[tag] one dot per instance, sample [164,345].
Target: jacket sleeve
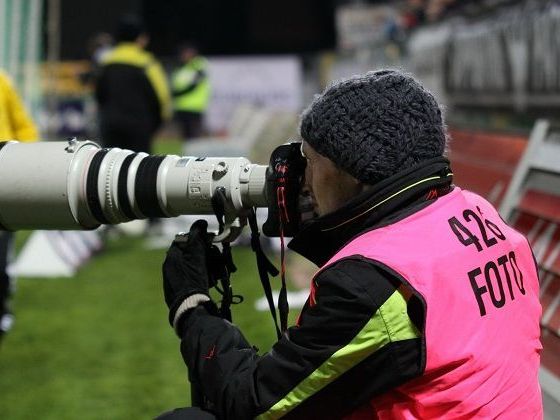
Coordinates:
[357,340]
[158,81]
[199,76]
[22,126]
[100,90]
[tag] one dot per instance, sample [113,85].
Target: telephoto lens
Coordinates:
[78,185]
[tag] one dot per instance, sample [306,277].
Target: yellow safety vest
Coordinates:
[196,100]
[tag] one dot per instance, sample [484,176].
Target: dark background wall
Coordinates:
[218,26]
[82,19]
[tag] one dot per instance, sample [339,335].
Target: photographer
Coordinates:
[426,303]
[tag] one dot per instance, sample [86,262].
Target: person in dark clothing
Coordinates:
[405,318]
[131,91]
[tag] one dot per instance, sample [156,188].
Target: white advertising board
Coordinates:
[273,82]
[362,25]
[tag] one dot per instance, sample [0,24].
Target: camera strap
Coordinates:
[284,220]
[218,205]
[265,268]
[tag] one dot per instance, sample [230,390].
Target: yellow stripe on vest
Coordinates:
[389,324]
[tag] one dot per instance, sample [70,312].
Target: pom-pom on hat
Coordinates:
[375,125]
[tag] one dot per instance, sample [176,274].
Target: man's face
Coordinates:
[143,40]
[187,54]
[329,186]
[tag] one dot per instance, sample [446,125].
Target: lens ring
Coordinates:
[92,193]
[145,186]
[122,194]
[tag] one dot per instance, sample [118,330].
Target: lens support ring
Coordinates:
[110,174]
[122,185]
[92,190]
[145,186]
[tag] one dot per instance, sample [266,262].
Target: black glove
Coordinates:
[185,269]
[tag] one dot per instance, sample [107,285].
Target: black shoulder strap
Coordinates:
[264,266]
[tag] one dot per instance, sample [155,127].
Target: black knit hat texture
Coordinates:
[375,125]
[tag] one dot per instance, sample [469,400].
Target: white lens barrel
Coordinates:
[36,190]
[77,185]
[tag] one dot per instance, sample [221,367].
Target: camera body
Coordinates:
[78,185]
[284,180]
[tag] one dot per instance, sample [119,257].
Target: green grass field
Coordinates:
[98,346]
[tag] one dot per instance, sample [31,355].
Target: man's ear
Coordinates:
[360,185]
[354,182]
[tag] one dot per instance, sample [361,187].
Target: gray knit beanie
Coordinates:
[374,125]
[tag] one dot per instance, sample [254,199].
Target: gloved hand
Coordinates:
[185,272]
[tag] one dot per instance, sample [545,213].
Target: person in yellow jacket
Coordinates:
[191,91]
[131,90]
[15,124]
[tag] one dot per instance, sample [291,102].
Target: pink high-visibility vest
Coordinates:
[479,282]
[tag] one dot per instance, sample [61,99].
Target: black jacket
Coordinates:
[303,375]
[131,91]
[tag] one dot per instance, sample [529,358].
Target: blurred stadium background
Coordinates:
[93,342]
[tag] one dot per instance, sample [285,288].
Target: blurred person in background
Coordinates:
[15,124]
[191,91]
[426,304]
[131,90]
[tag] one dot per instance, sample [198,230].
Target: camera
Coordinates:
[79,185]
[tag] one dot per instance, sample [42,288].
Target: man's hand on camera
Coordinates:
[185,272]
